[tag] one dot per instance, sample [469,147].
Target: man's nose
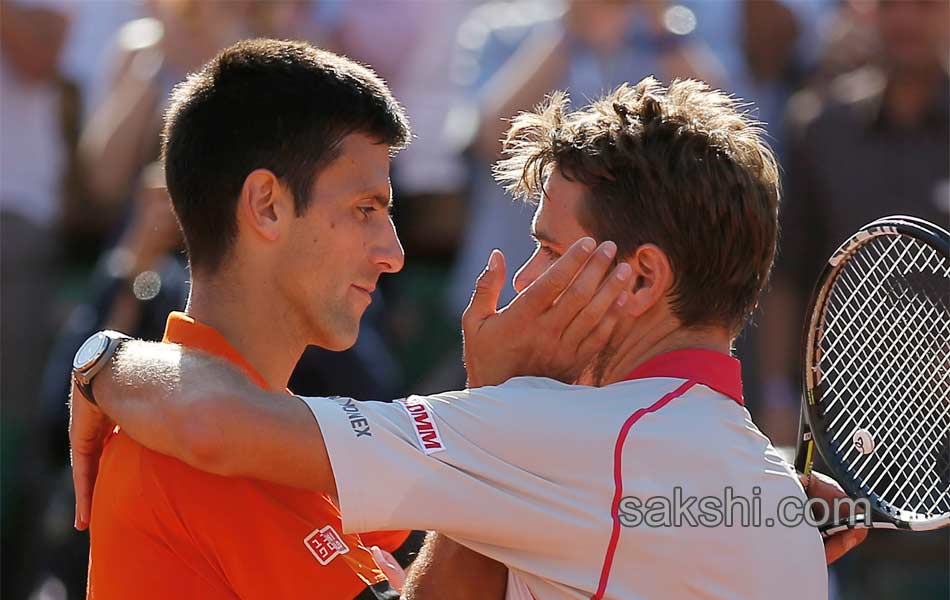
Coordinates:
[391,256]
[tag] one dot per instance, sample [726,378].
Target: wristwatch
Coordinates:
[94,354]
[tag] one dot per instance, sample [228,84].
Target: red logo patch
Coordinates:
[426,431]
[325,544]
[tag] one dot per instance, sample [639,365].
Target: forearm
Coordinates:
[447,569]
[544,58]
[196,408]
[112,146]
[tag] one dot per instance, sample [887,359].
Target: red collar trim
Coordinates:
[715,370]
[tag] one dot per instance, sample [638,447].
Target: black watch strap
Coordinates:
[86,390]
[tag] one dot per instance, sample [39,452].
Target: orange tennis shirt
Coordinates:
[162,529]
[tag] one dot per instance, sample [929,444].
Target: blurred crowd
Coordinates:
[853,93]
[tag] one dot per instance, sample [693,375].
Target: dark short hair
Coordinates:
[264,104]
[682,167]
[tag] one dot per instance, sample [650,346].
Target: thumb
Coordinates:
[488,288]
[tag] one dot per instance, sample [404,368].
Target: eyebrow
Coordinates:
[381,200]
[385,202]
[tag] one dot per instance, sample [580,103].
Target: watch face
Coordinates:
[90,350]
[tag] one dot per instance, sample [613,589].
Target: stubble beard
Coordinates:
[595,373]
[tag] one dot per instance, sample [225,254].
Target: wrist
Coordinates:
[476,375]
[473,379]
[93,358]
[478,378]
[99,385]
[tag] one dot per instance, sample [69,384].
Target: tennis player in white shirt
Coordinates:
[581,489]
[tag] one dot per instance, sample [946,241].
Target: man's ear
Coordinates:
[265,205]
[652,278]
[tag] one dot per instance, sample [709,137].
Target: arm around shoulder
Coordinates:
[198,409]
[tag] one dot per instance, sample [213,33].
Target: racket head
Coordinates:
[876,371]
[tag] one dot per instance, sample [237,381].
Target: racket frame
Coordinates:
[884,516]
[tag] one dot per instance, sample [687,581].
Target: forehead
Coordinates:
[361,165]
[557,218]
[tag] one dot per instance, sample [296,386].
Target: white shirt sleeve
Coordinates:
[473,465]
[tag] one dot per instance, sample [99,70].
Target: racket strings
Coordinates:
[915,448]
[869,386]
[911,446]
[884,362]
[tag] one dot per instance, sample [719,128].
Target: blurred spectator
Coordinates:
[766,47]
[511,56]
[124,78]
[849,41]
[31,165]
[151,55]
[875,142]
[89,47]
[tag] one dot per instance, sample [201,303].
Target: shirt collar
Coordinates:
[184,330]
[715,370]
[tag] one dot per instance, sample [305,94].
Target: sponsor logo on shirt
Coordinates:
[325,544]
[358,422]
[426,432]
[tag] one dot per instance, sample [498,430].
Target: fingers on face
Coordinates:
[577,296]
[595,323]
[547,288]
[488,288]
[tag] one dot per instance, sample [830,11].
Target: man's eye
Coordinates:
[548,252]
[365,210]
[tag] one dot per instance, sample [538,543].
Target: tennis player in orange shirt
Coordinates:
[277,164]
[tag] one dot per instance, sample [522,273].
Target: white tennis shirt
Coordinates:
[584,492]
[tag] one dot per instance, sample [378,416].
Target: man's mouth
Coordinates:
[366,290]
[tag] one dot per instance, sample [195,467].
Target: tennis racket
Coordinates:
[876,375]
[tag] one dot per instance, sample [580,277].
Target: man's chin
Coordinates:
[340,342]
[338,336]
